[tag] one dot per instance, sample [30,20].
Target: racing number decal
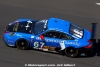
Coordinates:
[41,45]
[37,44]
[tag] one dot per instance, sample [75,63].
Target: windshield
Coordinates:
[76,31]
[40,26]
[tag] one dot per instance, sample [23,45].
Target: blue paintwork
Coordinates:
[55,24]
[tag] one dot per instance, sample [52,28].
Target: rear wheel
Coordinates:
[22,44]
[71,52]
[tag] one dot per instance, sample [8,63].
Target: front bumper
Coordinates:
[7,43]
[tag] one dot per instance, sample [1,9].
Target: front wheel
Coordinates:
[71,52]
[22,44]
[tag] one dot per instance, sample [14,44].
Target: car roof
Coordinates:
[58,24]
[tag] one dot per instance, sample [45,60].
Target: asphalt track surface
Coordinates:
[81,12]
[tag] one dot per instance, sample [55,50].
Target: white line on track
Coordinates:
[97,3]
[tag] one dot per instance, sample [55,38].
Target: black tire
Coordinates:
[22,44]
[71,52]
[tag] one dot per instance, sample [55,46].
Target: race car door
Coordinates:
[46,41]
[52,38]
[56,39]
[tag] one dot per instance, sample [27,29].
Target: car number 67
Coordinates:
[37,44]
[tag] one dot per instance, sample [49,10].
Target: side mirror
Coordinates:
[42,37]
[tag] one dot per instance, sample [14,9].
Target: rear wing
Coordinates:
[94,26]
[93,32]
[93,39]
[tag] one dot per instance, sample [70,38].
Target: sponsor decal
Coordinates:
[48,40]
[49,48]
[62,45]
[11,41]
[73,43]
[59,41]
[38,38]
[51,40]
[45,49]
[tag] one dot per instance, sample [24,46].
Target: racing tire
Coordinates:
[71,52]
[22,44]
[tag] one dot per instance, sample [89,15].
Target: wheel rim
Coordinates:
[71,52]
[22,44]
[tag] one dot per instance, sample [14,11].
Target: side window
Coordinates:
[24,27]
[9,28]
[52,34]
[66,37]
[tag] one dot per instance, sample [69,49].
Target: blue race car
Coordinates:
[53,35]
